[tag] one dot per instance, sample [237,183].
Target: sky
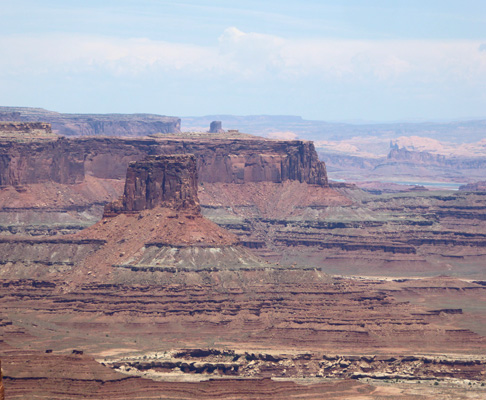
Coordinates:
[336,60]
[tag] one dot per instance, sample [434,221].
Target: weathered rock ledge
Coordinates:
[94,124]
[69,161]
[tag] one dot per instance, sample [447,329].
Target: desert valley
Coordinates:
[142,261]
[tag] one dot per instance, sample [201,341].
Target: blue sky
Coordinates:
[328,60]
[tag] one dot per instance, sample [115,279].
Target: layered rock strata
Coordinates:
[160,181]
[408,233]
[273,365]
[25,130]
[281,310]
[36,161]
[157,223]
[2,388]
[474,187]
[35,374]
[94,124]
[218,159]
[69,180]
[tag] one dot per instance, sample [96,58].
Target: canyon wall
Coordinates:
[22,130]
[39,161]
[401,164]
[218,160]
[95,124]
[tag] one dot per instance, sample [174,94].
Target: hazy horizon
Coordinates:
[368,61]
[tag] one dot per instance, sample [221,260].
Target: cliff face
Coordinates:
[256,160]
[95,124]
[472,187]
[40,161]
[218,160]
[401,154]
[165,181]
[115,125]
[25,130]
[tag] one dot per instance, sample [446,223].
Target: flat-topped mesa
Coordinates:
[26,130]
[158,181]
[224,159]
[95,124]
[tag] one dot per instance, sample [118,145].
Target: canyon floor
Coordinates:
[252,290]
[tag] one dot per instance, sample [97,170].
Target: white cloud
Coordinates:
[249,56]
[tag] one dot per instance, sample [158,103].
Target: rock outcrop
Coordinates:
[2,389]
[26,130]
[216,127]
[160,181]
[157,224]
[218,160]
[39,161]
[95,124]
[474,187]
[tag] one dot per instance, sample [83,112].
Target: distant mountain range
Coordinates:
[276,126]
[265,125]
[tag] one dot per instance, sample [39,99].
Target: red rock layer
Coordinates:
[128,235]
[59,377]
[2,388]
[159,181]
[218,159]
[95,124]
[282,310]
[24,130]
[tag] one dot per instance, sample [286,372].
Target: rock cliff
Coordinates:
[26,130]
[216,127]
[157,224]
[159,181]
[39,161]
[218,159]
[95,124]
[474,187]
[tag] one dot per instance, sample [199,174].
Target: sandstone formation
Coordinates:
[254,323]
[404,165]
[37,161]
[218,160]
[474,187]
[160,181]
[250,364]
[61,185]
[35,374]
[157,223]
[216,127]
[25,130]
[156,290]
[94,124]
[2,388]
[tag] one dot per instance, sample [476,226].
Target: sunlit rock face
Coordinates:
[165,181]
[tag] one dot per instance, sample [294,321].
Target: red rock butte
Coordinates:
[158,181]
[157,223]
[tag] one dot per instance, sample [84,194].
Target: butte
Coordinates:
[157,225]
